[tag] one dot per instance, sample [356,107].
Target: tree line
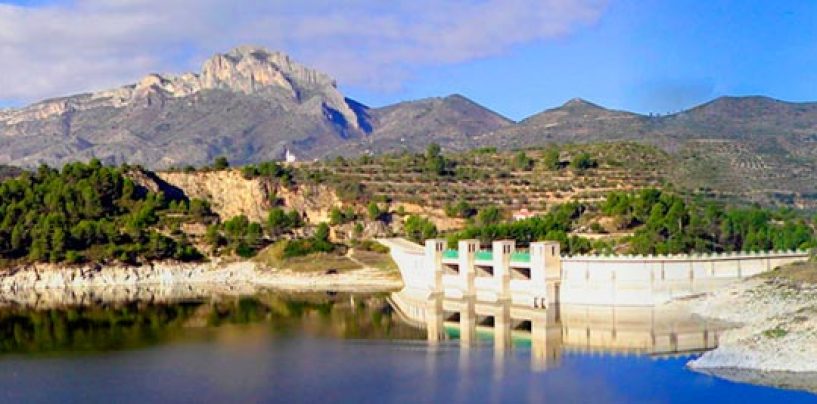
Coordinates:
[84,212]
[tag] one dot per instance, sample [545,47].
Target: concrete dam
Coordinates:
[540,276]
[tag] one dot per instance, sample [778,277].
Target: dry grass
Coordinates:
[802,272]
[322,262]
[375,260]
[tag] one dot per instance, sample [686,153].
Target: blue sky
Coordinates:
[647,56]
[517,57]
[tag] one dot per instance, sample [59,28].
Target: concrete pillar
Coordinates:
[468,324]
[545,255]
[434,318]
[546,341]
[502,328]
[546,269]
[503,343]
[502,251]
[434,263]
[467,251]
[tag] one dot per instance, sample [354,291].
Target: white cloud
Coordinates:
[92,44]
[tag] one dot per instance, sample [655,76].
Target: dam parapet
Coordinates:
[657,279]
[540,276]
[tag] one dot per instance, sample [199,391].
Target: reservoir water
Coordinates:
[290,348]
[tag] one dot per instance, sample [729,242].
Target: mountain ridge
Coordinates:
[251,104]
[248,103]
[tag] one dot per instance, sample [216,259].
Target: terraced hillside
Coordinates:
[484,177]
[737,171]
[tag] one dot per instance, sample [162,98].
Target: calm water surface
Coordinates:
[341,348]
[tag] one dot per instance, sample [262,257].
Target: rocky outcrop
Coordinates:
[47,276]
[229,193]
[249,104]
[246,69]
[254,70]
[313,202]
[776,321]
[29,281]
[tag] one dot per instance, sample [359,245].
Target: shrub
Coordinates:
[522,162]
[583,161]
[374,211]
[419,228]
[221,163]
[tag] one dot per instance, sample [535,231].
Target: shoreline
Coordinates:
[212,276]
[774,340]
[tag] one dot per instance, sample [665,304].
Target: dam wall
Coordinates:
[539,276]
[652,280]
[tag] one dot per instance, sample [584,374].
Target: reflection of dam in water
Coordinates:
[560,328]
[539,275]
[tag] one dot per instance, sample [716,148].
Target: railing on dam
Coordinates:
[488,255]
[451,254]
[520,256]
[742,255]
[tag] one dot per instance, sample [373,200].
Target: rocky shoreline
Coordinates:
[240,275]
[774,341]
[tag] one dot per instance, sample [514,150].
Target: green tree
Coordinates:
[221,163]
[435,162]
[322,232]
[419,228]
[17,238]
[374,211]
[489,215]
[521,161]
[550,159]
[335,216]
[583,161]
[433,150]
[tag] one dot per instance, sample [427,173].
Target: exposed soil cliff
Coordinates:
[314,202]
[228,192]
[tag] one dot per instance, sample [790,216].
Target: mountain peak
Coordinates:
[579,102]
[252,68]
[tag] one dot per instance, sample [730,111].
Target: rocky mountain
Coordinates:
[249,104]
[575,121]
[452,121]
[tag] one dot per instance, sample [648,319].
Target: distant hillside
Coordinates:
[754,148]
[452,121]
[249,104]
[575,121]
[481,178]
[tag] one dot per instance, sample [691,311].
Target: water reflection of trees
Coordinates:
[88,327]
[104,327]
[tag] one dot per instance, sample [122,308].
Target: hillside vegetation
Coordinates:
[650,221]
[88,212]
[733,148]
[533,179]
[602,198]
